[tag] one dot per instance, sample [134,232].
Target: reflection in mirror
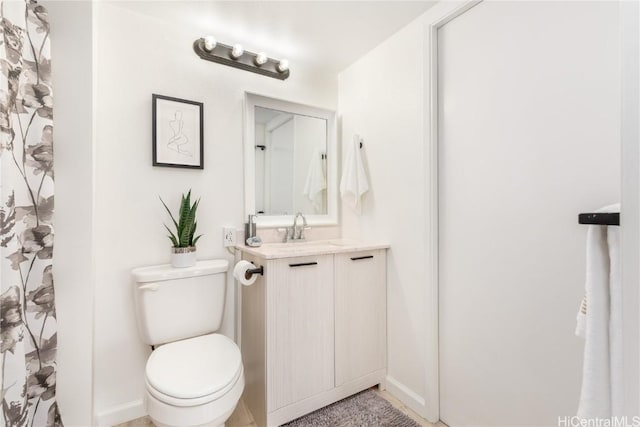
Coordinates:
[290,163]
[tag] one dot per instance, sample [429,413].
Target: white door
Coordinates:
[528,138]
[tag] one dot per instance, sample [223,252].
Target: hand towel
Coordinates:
[316,181]
[354,179]
[615,321]
[599,323]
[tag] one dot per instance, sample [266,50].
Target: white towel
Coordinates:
[316,181]
[615,321]
[599,323]
[354,179]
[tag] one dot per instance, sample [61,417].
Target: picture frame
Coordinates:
[177,129]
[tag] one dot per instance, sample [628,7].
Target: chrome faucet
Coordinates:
[296,232]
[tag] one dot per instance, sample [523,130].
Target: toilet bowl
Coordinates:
[194,382]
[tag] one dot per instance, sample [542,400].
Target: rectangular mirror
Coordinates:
[290,162]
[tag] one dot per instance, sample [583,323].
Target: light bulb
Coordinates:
[283,65]
[237,51]
[261,58]
[209,43]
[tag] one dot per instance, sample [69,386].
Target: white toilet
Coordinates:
[194,377]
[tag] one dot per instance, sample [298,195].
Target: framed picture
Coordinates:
[177,133]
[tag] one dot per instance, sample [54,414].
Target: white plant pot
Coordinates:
[183,257]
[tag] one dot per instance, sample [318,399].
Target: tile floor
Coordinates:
[241,417]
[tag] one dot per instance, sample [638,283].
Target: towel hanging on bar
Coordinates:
[354,183]
[599,323]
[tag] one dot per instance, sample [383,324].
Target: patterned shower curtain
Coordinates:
[27,306]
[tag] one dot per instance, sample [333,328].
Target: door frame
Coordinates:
[630,177]
[432,364]
[630,212]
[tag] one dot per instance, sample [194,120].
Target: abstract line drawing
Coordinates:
[179,142]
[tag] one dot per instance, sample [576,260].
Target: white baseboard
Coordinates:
[407,396]
[135,409]
[121,413]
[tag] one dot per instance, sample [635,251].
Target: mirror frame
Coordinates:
[253,100]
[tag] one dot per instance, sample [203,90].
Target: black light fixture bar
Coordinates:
[221,54]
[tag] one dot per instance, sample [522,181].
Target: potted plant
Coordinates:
[183,252]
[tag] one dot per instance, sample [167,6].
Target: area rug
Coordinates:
[365,409]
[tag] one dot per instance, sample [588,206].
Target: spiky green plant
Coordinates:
[186,224]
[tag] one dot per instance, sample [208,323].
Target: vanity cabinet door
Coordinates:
[360,304]
[300,323]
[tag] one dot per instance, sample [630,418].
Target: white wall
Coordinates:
[382,99]
[136,56]
[71,52]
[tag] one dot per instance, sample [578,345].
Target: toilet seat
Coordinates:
[193,371]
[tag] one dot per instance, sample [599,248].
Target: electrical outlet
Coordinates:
[228,236]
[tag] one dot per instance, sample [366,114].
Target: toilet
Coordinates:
[194,377]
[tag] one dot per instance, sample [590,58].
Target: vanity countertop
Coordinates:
[312,247]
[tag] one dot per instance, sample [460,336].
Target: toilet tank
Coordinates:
[178,303]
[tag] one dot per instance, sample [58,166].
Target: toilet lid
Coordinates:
[194,367]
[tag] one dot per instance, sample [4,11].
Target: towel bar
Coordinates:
[600,218]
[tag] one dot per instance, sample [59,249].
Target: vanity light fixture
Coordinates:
[235,56]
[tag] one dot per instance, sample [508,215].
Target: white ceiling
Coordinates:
[325,35]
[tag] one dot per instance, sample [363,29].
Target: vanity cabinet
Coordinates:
[360,314]
[300,317]
[313,329]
